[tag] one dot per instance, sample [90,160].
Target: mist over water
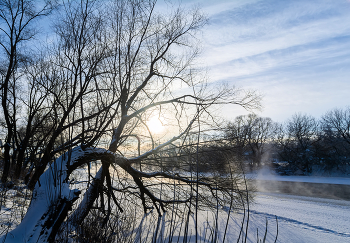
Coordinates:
[324,187]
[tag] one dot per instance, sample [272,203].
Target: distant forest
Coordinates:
[302,145]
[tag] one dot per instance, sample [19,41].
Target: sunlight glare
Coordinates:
[155,125]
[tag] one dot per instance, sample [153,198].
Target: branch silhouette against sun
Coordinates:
[116,74]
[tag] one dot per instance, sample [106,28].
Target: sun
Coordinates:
[155,125]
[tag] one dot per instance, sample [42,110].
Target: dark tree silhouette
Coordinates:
[110,67]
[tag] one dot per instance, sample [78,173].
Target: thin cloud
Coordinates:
[283,46]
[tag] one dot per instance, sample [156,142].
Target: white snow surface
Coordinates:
[51,187]
[300,219]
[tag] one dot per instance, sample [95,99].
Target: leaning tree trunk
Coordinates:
[52,197]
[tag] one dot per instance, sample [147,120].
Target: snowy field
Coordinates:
[301,219]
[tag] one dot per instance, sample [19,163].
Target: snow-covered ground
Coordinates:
[300,219]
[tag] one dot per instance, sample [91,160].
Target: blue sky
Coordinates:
[296,53]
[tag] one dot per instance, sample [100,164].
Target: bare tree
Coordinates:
[251,136]
[334,146]
[17,27]
[338,121]
[297,140]
[113,66]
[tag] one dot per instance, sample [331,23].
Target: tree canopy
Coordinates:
[86,95]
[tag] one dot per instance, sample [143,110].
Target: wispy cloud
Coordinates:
[295,52]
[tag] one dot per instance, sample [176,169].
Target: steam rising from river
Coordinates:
[325,187]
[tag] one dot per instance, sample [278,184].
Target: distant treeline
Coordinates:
[301,145]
